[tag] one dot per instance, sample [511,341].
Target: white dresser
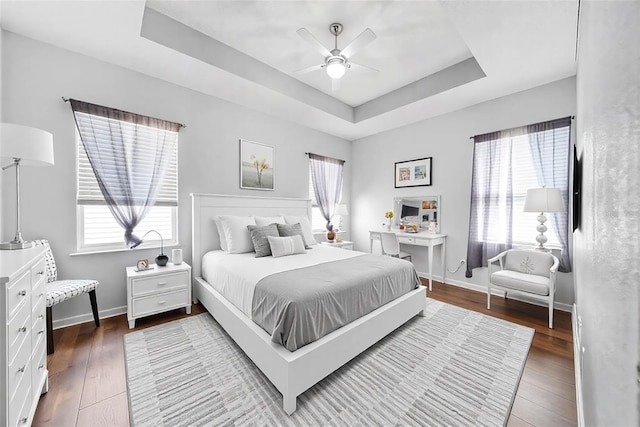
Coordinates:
[24,375]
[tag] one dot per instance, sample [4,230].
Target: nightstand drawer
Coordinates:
[18,293]
[19,330]
[143,306]
[162,283]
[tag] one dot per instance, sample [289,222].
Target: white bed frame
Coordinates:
[292,373]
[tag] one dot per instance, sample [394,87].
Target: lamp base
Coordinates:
[15,245]
[161,260]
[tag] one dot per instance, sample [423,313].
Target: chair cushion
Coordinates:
[529,262]
[521,281]
[62,290]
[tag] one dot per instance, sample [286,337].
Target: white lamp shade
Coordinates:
[34,147]
[336,70]
[342,210]
[544,200]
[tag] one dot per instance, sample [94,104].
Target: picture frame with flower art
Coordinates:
[257,166]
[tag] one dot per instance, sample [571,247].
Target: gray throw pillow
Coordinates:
[288,230]
[259,237]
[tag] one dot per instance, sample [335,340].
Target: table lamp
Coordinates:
[341,210]
[162,259]
[543,200]
[24,146]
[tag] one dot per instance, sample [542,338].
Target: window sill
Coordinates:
[107,251]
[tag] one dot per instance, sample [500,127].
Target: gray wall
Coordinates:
[446,139]
[607,252]
[35,76]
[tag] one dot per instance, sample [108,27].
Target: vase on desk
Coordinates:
[388,224]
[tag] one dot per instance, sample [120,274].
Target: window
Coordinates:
[318,223]
[505,165]
[97,227]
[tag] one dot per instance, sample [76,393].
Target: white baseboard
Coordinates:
[88,317]
[480,288]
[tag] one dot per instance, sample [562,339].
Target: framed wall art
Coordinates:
[413,173]
[257,166]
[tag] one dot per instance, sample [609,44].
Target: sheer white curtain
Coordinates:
[129,155]
[505,165]
[326,173]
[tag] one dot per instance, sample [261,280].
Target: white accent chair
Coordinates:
[391,246]
[526,272]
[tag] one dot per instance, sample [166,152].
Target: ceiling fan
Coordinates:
[336,61]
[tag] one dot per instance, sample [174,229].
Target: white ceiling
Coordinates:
[517,44]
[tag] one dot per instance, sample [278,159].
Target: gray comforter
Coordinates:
[299,306]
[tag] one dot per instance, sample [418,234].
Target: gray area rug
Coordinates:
[454,367]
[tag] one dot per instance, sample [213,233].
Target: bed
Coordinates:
[291,372]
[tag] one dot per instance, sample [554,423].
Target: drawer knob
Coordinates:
[162,283]
[40,316]
[22,293]
[22,368]
[40,273]
[23,329]
[40,332]
[23,420]
[161,302]
[41,366]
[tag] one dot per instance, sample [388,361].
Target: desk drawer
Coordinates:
[162,283]
[162,302]
[19,330]
[18,293]
[407,240]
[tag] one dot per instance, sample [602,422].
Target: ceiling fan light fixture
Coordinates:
[336,68]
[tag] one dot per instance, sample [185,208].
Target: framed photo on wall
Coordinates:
[413,173]
[257,166]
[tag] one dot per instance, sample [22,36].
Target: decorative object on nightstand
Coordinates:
[24,146]
[58,291]
[389,216]
[543,200]
[331,235]
[176,256]
[157,290]
[162,259]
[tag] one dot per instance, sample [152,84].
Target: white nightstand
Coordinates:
[157,290]
[345,244]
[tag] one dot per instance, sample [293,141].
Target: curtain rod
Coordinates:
[306,153]
[182,125]
[472,137]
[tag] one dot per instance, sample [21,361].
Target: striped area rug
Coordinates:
[453,367]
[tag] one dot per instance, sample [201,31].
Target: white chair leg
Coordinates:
[551,313]
[489,296]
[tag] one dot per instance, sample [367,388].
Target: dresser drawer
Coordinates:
[143,306]
[38,333]
[38,314]
[19,330]
[38,272]
[38,368]
[162,283]
[20,403]
[38,292]
[17,294]
[20,368]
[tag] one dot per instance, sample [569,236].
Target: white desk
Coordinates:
[422,238]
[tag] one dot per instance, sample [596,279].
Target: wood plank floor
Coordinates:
[87,384]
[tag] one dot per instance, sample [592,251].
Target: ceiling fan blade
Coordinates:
[365,37]
[310,69]
[335,85]
[306,35]
[360,67]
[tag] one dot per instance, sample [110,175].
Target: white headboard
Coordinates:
[204,207]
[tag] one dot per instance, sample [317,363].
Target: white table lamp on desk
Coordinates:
[23,146]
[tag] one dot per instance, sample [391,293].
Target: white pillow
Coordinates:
[268,220]
[236,233]
[284,246]
[223,239]
[306,227]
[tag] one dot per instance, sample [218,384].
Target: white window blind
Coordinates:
[523,176]
[146,140]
